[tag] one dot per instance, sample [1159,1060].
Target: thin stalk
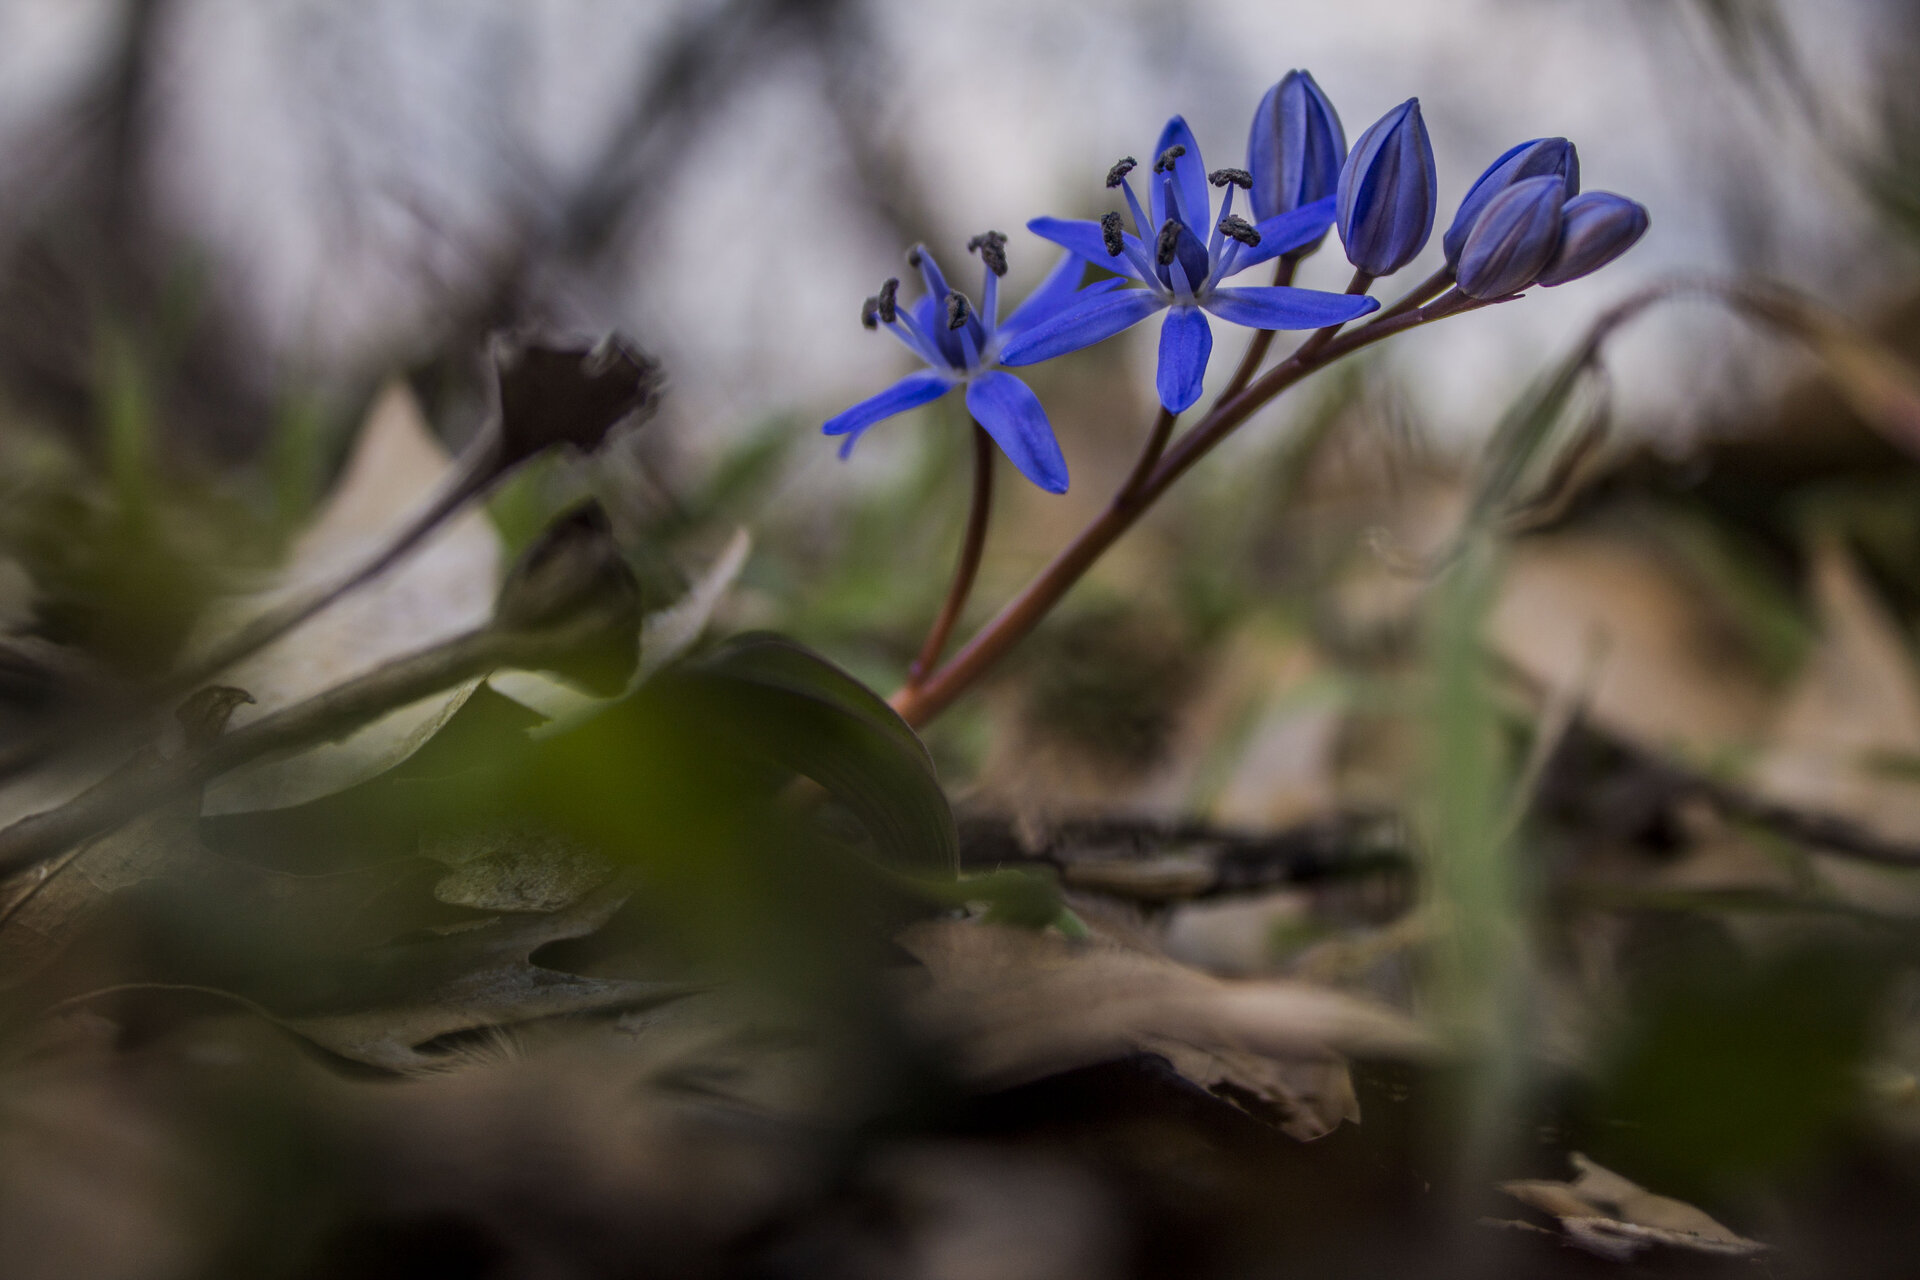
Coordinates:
[1419,296]
[1256,352]
[972,543]
[475,471]
[1151,452]
[1360,283]
[920,703]
[321,718]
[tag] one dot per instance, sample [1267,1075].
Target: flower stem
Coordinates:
[1419,296]
[972,543]
[1257,349]
[1150,453]
[920,702]
[1360,283]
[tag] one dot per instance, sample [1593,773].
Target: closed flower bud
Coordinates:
[1388,191]
[1295,147]
[1536,159]
[1513,239]
[570,394]
[1595,228]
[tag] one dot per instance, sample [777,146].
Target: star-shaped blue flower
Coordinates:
[1182,273]
[961,347]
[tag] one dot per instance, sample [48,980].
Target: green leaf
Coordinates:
[772,697]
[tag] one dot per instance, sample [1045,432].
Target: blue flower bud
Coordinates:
[1387,192]
[1533,159]
[1295,147]
[1513,239]
[1595,229]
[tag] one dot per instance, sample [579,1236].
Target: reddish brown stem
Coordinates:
[972,543]
[920,703]
[1420,295]
[1360,283]
[1150,452]
[1256,351]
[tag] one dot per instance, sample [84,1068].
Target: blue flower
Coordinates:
[1595,228]
[1535,159]
[1389,192]
[962,345]
[1295,147]
[1182,272]
[1514,237]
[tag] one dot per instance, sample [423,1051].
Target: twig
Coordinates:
[1158,862]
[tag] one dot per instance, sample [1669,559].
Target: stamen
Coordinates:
[1164,164]
[957,308]
[1110,232]
[870,314]
[914,255]
[1240,229]
[889,312]
[1238,177]
[992,248]
[1118,174]
[1169,237]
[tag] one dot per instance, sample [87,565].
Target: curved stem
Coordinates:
[1419,296]
[972,543]
[1150,453]
[1360,283]
[1256,351]
[919,703]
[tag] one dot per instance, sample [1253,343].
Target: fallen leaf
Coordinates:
[467,978]
[1586,609]
[443,589]
[1605,1214]
[1016,1006]
[1855,700]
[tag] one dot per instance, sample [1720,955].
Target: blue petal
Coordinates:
[1189,175]
[1012,415]
[1049,296]
[1281,307]
[1185,343]
[910,392]
[1049,300]
[1082,325]
[1085,239]
[1286,232]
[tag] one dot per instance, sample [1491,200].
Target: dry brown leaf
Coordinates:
[444,588]
[43,907]
[1582,607]
[471,977]
[1017,1006]
[1856,698]
[1606,1214]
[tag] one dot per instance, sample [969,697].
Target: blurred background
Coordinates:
[227,225]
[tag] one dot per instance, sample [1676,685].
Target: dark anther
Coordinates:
[1238,177]
[870,314]
[885,301]
[1169,236]
[1165,163]
[1110,232]
[956,309]
[992,248]
[913,257]
[1240,229]
[1118,174]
